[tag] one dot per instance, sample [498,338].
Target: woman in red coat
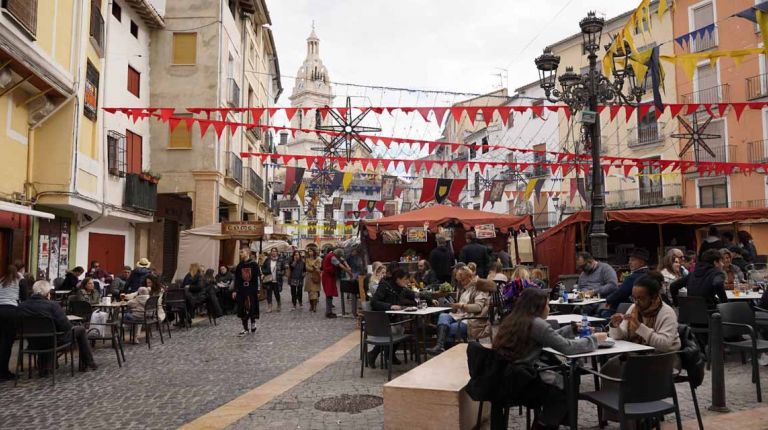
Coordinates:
[332,263]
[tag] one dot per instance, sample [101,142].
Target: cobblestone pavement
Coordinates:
[191,374]
[295,408]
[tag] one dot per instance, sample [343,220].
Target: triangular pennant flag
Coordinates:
[504,113]
[218,126]
[537,110]
[739,109]
[428,190]
[173,123]
[629,110]
[290,112]
[472,113]
[487,112]
[346,180]
[300,192]
[342,111]
[674,109]
[204,124]
[456,112]
[166,114]
[606,168]
[627,168]
[440,115]
[424,112]
[692,107]
[614,109]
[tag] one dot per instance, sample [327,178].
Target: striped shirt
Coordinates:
[9,294]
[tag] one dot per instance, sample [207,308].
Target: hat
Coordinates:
[143,262]
[640,253]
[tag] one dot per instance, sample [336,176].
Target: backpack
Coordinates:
[98,325]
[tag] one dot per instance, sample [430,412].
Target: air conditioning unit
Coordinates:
[6,78]
[40,108]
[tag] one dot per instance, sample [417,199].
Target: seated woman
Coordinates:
[521,337]
[732,272]
[378,271]
[473,302]
[521,280]
[156,289]
[392,294]
[88,292]
[496,273]
[135,306]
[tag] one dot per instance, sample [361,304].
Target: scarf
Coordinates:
[647,317]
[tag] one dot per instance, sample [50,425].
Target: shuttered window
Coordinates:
[134,82]
[24,12]
[133,153]
[181,136]
[184,48]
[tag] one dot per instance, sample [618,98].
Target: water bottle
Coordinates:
[584,326]
[565,296]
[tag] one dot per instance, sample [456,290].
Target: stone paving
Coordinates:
[295,408]
[194,372]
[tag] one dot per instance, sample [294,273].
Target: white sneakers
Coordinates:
[763,360]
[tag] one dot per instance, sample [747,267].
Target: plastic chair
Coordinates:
[378,332]
[645,385]
[42,338]
[738,320]
[147,321]
[693,312]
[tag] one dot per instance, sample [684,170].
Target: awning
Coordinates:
[24,210]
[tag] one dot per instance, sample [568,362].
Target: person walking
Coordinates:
[333,262]
[246,294]
[475,252]
[442,260]
[296,279]
[272,271]
[9,302]
[312,265]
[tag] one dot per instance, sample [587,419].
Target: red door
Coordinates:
[108,250]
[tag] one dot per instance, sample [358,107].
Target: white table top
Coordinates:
[74,318]
[569,318]
[621,346]
[111,305]
[581,303]
[421,312]
[744,296]
[62,291]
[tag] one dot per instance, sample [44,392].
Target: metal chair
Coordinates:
[378,332]
[645,385]
[81,309]
[176,304]
[147,321]
[694,313]
[43,339]
[689,376]
[84,310]
[738,320]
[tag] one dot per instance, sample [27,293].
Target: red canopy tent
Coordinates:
[556,247]
[439,216]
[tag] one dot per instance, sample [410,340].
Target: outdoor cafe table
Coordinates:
[113,309]
[744,296]
[74,319]
[569,318]
[421,315]
[620,347]
[575,305]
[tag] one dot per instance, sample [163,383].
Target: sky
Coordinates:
[442,45]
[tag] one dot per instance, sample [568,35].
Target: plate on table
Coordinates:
[607,343]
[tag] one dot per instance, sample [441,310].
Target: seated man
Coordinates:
[638,266]
[472,303]
[39,305]
[595,275]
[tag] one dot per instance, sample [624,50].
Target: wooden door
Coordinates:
[108,250]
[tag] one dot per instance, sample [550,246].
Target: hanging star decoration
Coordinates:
[349,130]
[696,137]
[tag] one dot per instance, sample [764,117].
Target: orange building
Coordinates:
[726,81]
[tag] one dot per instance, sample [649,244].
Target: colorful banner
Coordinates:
[485,231]
[417,234]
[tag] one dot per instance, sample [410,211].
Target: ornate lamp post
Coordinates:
[583,93]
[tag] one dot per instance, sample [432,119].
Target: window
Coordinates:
[484,145]
[97,27]
[233,8]
[181,136]
[134,29]
[650,184]
[537,103]
[706,87]
[116,153]
[133,152]
[472,151]
[23,13]
[117,11]
[184,48]
[647,127]
[91,97]
[702,16]
[134,82]
[539,158]
[287,216]
[713,194]
[476,190]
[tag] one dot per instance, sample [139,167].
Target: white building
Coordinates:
[115,236]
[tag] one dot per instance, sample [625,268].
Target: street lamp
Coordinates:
[583,93]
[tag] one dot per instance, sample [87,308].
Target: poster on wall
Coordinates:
[391,237]
[64,249]
[388,187]
[446,232]
[337,203]
[42,255]
[497,190]
[53,246]
[485,231]
[417,234]
[328,212]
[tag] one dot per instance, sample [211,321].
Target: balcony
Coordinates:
[233,93]
[96,31]
[717,94]
[642,197]
[762,203]
[757,87]
[235,168]
[723,154]
[537,170]
[254,133]
[256,184]
[140,194]
[646,134]
[707,42]
[758,151]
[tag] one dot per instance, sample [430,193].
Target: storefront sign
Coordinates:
[243,229]
[391,237]
[417,234]
[485,231]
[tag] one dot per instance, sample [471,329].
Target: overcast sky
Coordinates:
[447,45]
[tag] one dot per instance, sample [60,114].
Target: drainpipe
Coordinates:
[243,53]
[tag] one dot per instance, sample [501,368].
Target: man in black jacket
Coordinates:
[475,252]
[136,278]
[246,295]
[442,260]
[71,279]
[708,279]
[38,305]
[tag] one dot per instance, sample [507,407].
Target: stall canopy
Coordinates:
[442,215]
[556,247]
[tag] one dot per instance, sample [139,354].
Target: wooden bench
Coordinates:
[432,396]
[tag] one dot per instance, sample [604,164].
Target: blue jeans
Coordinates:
[454,327]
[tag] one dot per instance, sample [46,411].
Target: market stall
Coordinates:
[653,229]
[412,234]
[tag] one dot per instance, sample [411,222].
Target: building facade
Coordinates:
[212,54]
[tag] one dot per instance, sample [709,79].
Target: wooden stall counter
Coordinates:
[432,396]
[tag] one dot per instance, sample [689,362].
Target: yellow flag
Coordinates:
[762,22]
[529,188]
[346,180]
[662,8]
[300,192]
